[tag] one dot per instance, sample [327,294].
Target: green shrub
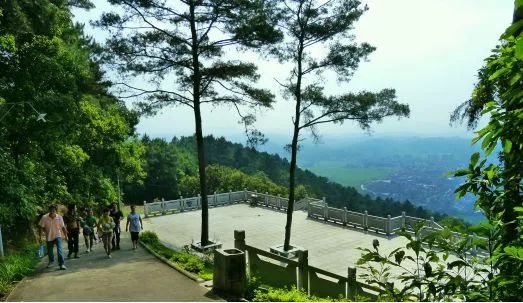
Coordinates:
[149,237]
[254,293]
[285,295]
[186,260]
[253,283]
[16,266]
[206,274]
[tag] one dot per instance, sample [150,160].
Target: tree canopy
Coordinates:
[64,137]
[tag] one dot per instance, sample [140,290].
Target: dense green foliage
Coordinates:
[15,266]
[64,138]
[431,266]
[222,179]
[171,165]
[498,187]
[203,267]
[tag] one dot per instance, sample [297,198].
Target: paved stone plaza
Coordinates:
[331,247]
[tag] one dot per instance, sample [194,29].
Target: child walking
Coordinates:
[88,226]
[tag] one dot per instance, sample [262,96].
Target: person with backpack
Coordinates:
[88,229]
[135,221]
[117,215]
[106,225]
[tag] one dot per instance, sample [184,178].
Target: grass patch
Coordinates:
[203,267]
[15,266]
[288,295]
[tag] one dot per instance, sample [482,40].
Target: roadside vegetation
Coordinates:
[15,266]
[203,267]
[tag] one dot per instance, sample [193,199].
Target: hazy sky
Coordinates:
[428,50]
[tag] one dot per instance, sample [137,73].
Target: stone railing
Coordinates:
[386,225]
[277,271]
[221,199]
[317,209]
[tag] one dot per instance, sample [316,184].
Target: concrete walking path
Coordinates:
[131,275]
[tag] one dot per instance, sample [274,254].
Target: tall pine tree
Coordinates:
[318,39]
[187,40]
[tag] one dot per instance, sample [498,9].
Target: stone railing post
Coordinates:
[345,216]
[215,199]
[353,285]
[388,228]
[239,243]
[162,205]
[278,202]
[403,220]
[303,270]
[230,196]
[239,239]
[245,194]
[145,212]
[474,240]
[199,201]
[182,204]
[366,220]
[432,223]
[266,199]
[325,211]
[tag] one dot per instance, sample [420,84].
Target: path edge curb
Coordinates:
[173,265]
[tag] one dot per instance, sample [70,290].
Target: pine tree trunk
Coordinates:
[294,150]
[204,240]
[292,185]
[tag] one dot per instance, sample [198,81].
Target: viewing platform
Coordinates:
[331,247]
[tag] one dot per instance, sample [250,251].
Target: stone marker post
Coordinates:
[353,285]
[365,220]
[403,220]
[303,270]
[1,243]
[145,209]
[239,239]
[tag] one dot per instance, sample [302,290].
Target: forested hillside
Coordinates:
[63,137]
[171,171]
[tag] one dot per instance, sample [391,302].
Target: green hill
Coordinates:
[171,168]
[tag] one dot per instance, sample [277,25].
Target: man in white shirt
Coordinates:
[52,225]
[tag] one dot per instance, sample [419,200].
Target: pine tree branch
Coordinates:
[182,98]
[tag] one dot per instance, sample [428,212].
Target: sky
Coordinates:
[428,50]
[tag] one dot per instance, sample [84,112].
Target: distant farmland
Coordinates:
[348,176]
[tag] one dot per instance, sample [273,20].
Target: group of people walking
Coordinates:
[68,228]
